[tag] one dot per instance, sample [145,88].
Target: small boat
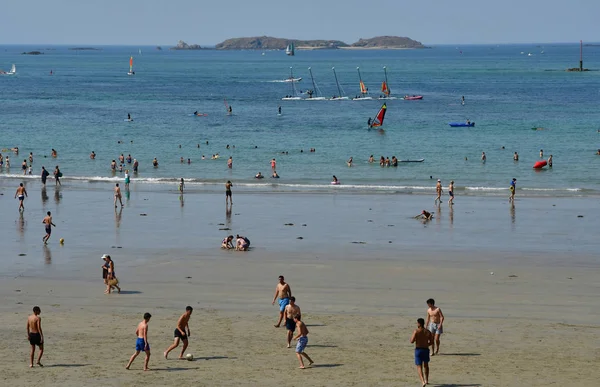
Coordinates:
[461,124]
[13,71]
[340,95]
[290,79]
[314,94]
[131,72]
[294,93]
[411,161]
[290,50]
[412,97]
[378,120]
[364,91]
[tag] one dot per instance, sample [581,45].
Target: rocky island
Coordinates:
[271,43]
[32,53]
[387,42]
[181,45]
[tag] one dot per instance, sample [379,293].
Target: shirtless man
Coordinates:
[302,341]
[283,292]
[142,342]
[435,319]
[21,193]
[48,226]
[180,332]
[451,192]
[438,190]
[35,335]
[290,311]
[422,339]
[118,195]
[228,197]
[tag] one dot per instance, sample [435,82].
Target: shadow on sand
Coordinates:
[129,292]
[66,365]
[455,385]
[326,365]
[316,325]
[171,369]
[323,346]
[454,354]
[213,358]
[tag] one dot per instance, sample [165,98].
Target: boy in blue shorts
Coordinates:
[422,339]
[141,343]
[302,341]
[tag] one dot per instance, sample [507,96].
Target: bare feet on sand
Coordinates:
[40,364]
[276,326]
[165,354]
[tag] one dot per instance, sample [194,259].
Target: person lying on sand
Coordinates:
[424,215]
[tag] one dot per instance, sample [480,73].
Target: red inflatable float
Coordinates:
[540,164]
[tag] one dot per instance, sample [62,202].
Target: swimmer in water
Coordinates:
[275,175]
[259,176]
[335,180]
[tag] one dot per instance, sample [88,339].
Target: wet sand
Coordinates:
[531,322]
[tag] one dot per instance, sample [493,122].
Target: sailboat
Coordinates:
[290,50]
[364,91]
[294,96]
[340,95]
[13,71]
[314,94]
[385,88]
[131,72]
[378,120]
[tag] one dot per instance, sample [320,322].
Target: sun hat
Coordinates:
[104,256]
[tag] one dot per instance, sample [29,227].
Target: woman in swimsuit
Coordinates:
[227,243]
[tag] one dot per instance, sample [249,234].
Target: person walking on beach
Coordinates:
[141,343]
[181,185]
[111,277]
[127,179]
[180,332]
[21,193]
[283,292]
[57,176]
[118,195]
[290,311]
[35,335]
[451,192]
[44,176]
[435,319]
[302,338]
[438,190]
[48,226]
[512,188]
[422,339]
[228,197]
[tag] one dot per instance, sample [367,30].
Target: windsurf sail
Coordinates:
[290,49]
[385,89]
[378,120]
[363,89]
[130,64]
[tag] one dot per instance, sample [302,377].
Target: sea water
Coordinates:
[81,108]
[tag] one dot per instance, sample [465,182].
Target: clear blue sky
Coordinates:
[153,22]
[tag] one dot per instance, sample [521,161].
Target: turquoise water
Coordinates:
[82,107]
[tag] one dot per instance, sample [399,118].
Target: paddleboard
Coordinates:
[128,120]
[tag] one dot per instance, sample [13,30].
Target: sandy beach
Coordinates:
[520,308]
[533,329]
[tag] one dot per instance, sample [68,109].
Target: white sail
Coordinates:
[13,69]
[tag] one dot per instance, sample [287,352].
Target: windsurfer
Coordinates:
[369,122]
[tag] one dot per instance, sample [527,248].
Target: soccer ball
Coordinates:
[61,241]
[189,357]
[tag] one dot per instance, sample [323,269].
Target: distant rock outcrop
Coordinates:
[181,45]
[387,42]
[271,43]
[32,53]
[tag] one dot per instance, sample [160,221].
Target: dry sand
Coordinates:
[538,328]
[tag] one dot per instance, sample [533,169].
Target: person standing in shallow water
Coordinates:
[422,339]
[228,198]
[118,195]
[21,193]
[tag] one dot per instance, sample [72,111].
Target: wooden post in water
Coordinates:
[581,55]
